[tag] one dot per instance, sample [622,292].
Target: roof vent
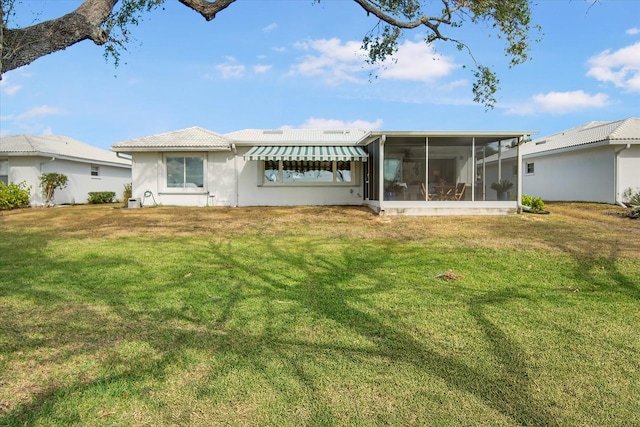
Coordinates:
[272,132]
[335,132]
[544,141]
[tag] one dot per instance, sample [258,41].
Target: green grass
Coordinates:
[318,316]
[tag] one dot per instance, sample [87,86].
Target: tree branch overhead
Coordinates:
[108,22]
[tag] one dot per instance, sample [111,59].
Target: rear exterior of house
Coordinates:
[88,169]
[415,173]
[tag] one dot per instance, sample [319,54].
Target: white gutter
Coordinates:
[616,168]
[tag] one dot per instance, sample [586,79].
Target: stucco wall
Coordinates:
[629,169]
[80,182]
[585,175]
[223,187]
[252,193]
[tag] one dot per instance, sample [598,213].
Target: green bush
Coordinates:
[14,195]
[97,197]
[535,203]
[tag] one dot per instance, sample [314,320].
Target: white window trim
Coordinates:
[6,163]
[355,177]
[184,190]
[526,168]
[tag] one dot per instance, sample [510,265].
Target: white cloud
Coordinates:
[319,123]
[43,110]
[336,62]
[7,88]
[620,67]
[231,71]
[417,61]
[330,60]
[261,69]
[270,27]
[633,31]
[561,103]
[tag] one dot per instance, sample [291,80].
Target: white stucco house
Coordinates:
[88,168]
[412,172]
[593,162]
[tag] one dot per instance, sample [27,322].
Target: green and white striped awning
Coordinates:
[307,153]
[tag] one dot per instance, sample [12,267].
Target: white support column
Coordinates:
[473,169]
[519,169]
[383,139]
[484,173]
[499,161]
[426,169]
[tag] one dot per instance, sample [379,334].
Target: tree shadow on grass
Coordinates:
[319,285]
[508,391]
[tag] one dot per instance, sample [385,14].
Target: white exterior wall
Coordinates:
[149,177]
[629,169]
[251,192]
[79,184]
[585,175]
[224,187]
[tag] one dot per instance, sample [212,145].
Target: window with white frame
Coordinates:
[4,171]
[185,171]
[306,172]
[95,170]
[530,168]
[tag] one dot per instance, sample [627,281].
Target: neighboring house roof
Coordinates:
[58,146]
[190,139]
[297,136]
[625,131]
[588,135]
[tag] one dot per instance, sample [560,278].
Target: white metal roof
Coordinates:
[297,136]
[626,131]
[57,146]
[616,132]
[190,139]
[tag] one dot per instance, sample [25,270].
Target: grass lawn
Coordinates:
[318,316]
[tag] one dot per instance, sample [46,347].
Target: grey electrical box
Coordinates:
[134,204]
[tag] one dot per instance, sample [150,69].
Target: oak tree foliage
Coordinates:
[110,22]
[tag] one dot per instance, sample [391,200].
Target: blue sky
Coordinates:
[292,63]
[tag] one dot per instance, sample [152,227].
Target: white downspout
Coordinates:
[616,169]
[235,174]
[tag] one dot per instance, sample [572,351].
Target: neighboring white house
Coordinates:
[88,169]
[594,162]
[414,172]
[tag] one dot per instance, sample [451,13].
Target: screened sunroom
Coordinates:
[441,172]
